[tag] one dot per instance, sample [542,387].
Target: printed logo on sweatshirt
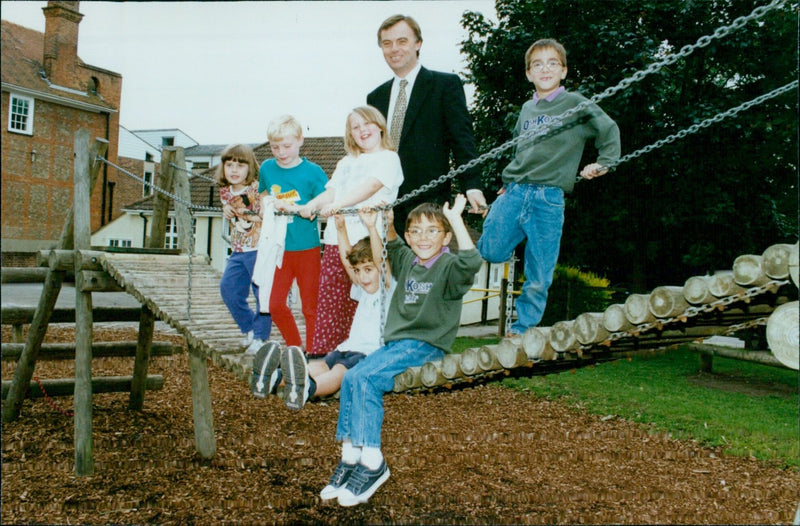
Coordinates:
[292,196]
[414,287]
[540,121]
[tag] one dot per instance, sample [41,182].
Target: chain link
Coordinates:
[694,128]
[194,174]
[52,403]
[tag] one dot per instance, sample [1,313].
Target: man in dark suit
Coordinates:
[436,122]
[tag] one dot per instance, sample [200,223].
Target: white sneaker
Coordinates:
[246,340]
[361,484]
[254,346]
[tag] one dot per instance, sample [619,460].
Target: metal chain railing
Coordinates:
[693,311]
[193,174]
[694,128]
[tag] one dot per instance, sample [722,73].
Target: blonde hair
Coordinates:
[546,43]
[240,153]
[283,127]
[371,115]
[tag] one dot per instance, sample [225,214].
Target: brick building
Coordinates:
[48,93]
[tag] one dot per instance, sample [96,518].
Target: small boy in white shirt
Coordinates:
[323,377]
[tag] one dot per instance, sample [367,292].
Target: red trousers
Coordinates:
[335,308]
[302,265]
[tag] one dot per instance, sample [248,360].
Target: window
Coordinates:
[167,141]
[20,114]
[119,243]
[171,235]
[148,157]
[147,186]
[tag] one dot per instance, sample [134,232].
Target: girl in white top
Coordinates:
[368,175]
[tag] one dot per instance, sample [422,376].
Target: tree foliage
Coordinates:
[691,206]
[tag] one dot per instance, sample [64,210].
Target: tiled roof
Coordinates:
[22,51]
[324,151]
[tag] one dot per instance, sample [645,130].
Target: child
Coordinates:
[423,320]
[531,203]
[293,181]
[238,189]
[370,173]
[324,377]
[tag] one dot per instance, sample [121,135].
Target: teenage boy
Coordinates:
[423,319]
[531,204]
[323,377]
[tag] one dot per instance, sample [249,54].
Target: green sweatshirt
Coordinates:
[427,302]
[555,160]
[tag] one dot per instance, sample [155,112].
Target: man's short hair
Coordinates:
[392,20]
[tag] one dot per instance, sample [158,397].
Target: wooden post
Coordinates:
[204,439]
[667,301]
[562,336]
[84,445]
[637,309]
[47,302]
[147,323]
[696,290]
[748,271]
[614,319]
[183,217]
[589,328]
[147,318]
[536,344]
[723,284]
[775,261]
[782,334]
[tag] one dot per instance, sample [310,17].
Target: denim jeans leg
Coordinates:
[502,230]
[369,381]
[234,287]
[543,221]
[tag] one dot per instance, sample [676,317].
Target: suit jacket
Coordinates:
[437,123]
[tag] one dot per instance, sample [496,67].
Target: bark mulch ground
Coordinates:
[481,455]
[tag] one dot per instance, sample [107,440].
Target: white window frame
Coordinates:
[171,232]
[28,129]
[124,243]
[147,189]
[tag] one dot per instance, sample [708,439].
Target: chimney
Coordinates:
[61,41]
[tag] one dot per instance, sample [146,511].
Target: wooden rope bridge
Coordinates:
[190,302]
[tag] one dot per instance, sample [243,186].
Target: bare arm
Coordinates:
[453,215]
[365,191]
[344,246]
[369,217]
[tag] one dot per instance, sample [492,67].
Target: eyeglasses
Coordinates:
[428,233]
[538,67]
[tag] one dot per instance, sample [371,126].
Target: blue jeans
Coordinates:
[235,287]
[535,212]
[363,387]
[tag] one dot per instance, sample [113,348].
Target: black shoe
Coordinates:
[338,480]
[265,375]
[362,483]
[295,374]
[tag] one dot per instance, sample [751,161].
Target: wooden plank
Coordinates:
[14,315]
[66,351]
[66,386]
[23,275]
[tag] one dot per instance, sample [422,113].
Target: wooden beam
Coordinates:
[66,386]
[66,351]
[14,315]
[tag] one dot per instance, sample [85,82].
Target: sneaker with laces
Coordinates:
[295,374]
[264,379]
[246,340]
[338,480]
[362,483]
[254,346]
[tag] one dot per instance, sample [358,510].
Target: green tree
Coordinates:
[691,206]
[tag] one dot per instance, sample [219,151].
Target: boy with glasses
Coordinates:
[531,203]
[423,319]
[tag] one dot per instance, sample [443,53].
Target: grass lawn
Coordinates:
[749,409]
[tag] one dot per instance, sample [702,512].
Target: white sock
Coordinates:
[350,453]
[371,457]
